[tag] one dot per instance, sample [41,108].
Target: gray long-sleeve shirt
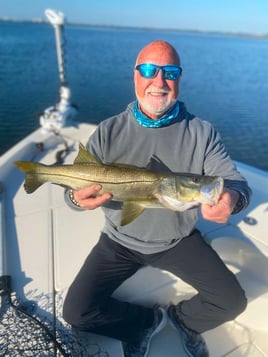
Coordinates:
[189,145]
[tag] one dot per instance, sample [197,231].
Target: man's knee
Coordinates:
[76,317]
[235,304]
[70,313]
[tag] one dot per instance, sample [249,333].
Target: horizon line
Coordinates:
[216,32]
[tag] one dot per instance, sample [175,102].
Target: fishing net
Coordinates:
[24,332]
[23,335]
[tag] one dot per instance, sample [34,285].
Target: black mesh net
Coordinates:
[24,333]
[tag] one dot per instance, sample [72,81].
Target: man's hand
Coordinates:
[223,209]
[88,197]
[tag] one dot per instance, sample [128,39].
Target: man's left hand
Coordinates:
[223,209]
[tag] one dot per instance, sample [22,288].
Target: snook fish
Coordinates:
[138,188]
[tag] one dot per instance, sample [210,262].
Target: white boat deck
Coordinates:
[47,242]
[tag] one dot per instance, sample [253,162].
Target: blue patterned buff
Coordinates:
[169,118]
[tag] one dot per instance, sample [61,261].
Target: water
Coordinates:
[225,80]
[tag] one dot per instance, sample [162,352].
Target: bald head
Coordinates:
[157,93]
[160,52]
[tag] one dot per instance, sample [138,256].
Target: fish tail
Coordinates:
[32,181]
[26,166]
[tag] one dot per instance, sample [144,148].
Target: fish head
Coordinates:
[211,191]
[184,191]
[199,188]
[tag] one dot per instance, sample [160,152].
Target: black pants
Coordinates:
[89,305]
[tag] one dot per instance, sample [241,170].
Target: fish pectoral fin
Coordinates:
[130,211]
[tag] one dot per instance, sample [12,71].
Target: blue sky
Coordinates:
[246,16]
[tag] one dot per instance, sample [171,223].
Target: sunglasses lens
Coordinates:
[171,72]
[149,70]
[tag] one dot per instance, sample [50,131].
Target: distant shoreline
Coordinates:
[142,28]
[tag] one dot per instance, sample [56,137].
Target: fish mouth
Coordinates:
[212,191]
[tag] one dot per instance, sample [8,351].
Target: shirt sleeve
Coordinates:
[218,162]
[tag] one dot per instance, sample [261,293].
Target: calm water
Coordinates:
[225,80]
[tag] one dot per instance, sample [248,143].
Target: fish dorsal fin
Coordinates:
[84,156]
[130,211]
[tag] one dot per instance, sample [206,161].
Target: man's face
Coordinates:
[156,95]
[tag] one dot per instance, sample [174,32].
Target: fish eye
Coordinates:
[196,179]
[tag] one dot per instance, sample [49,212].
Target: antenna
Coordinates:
[56,117]
[56,18]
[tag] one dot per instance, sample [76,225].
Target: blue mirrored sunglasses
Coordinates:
[150,70]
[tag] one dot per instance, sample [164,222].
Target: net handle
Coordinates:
[5,280]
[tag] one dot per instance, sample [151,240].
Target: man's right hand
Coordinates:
[88,197]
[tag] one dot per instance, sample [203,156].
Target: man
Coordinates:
[156,131]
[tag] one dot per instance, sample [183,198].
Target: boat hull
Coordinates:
[43,233]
